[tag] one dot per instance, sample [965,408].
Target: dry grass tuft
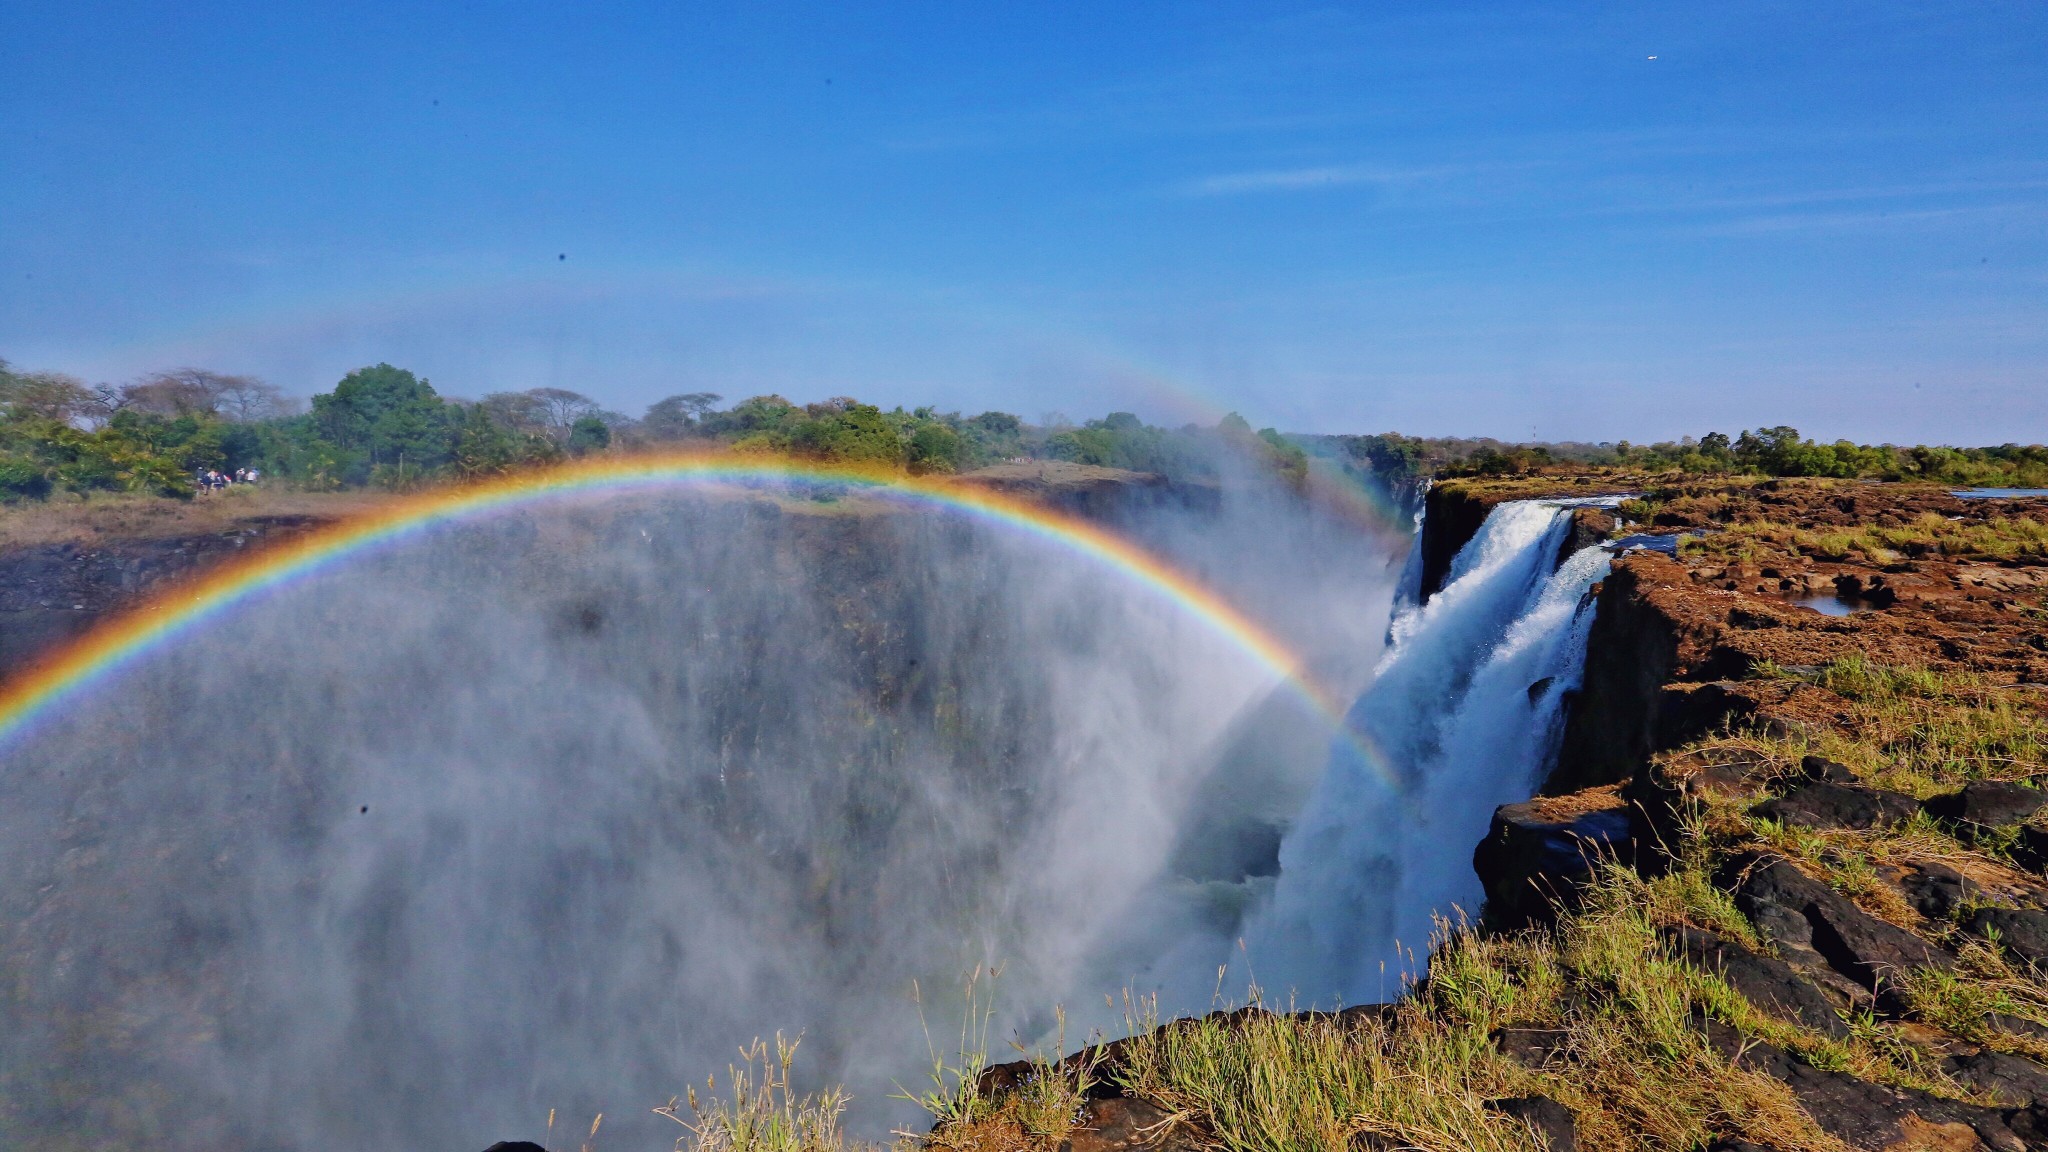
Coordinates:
[761,1112]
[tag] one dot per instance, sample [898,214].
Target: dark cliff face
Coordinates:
[1452,514]
[1631,653]
[53,593]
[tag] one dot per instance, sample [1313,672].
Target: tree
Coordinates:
[389,418]
[676,417]
[994,436]
[935,448]
[43,396]
[846,431]
[199,392]
[561,409]
[248,400]
[588,434]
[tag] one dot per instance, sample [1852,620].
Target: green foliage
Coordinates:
[382,425]
[935,447]
[383,418]
[589,434]
[845,431]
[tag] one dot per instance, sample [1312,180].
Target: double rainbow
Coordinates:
[188,607]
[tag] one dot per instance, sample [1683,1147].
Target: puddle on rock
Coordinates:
[1829,604]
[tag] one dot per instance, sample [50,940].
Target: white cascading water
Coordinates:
[1464,714]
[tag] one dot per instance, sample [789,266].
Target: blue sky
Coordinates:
[1583,221]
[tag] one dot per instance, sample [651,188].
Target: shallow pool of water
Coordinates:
[1998,493]
[1828,604]
[1666,543]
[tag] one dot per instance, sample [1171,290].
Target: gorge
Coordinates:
[532,809]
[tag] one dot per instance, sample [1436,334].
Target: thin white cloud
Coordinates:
[1297,180]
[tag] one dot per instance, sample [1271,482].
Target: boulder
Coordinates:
[515,1146]
[1795,911]
[1865,1115]
[1822,768]
[1532,1047]
[1123,1124]
[1551,1121]
[2030,1125]
[2022,932]
[1936,890]
[1988,803]
[1541,854]
[2030,850]
[1823,804]
[2014,1080]
[1772,985]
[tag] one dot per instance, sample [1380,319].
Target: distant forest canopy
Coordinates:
[385,427]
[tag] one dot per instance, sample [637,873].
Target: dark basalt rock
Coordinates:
[1540,854]
[2030,850]
[1772,985]
[1828,805]
[1822,768]
[1531,1047]
[515,1146]
[1988,803]
[1551,1121]
[1796,911]
[1858,1113]
[2021,931]
[2030,1125]
[1124,1125]
[2013,1079]
[1936,890]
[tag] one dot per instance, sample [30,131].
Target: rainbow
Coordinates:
[182,610]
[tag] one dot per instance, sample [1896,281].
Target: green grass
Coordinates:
[1923,731]
[2002,538]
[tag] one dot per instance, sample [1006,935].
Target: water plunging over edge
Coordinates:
[1464,714]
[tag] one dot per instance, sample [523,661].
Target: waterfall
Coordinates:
[1464,714]
[1408,589]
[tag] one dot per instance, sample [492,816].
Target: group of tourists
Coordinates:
[213,480]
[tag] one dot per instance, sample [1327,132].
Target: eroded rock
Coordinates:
[1123,1124]
[1937,890]
[1988,803]
[1539,855]
[2014,1080]
[1795,911]
[1551,1121]
[1823,804]
[2023,932]
[1770,984]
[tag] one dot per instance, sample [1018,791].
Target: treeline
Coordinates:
[383,426]
[386,427]
[1777,451]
